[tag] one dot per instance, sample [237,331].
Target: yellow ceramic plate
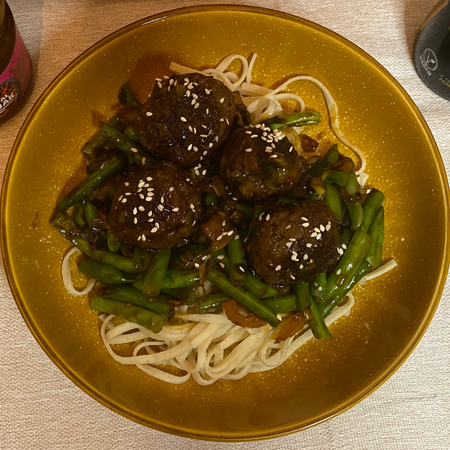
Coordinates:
[325,377]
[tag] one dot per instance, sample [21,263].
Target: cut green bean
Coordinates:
[92,181]
[280,305]
[370,208]
[333,199]
[302,291]
[154,277]
[351,259]
[113,244]
[336,177]
[298,119]
[186,295]
[127,294]
[241,295]
[352,187]
[120,262]
[374,255]
[319,287]
[355,211]
[99,140]
[132,313]
[332,155]
[102,272]
[90,213]
[237,264]
[78,215]
[175,279]
[317,323]
[129,147]
[211,301]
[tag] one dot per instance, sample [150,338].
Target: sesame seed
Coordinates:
[144,238]
[230,233]
[221,257]
[196,105]
[207,111]
[210,145]
[159,84]
[154,230]
[322,228]
[319,235]
[162,199]
[338,272]
[222,265]
[309,245]
[124,200]
[207,91]
[222,100]
[267,217]
[171,189]
[292,239]
[193,102]
[344,246]
[120,198]
[135,211]
[196,265]
[189,147]
[305,224]
[183,119]
[236,237]
[227,121]
[292,276]
[149,114]
[278,268]
[148,199]
[300,266]
[305,256]
[135,220]
[248,150]
[160,208]
[304,219]
[313,234]
[176,209]
[248,132]
[328,227]
[192,206]
[134,150]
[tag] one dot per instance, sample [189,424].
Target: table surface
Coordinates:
[42,409]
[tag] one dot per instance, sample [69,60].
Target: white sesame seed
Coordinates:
[192,206]
[135,220]
[304,219]
[207,91]
[267,217]
[134,150]
[305,256]
[220,257]
[144,238]
[309,245]
[344,246]
[176,209]
[124,200]
[134,211]
[278,268]
[154,230]
[292,276]
[196,105]
[222,100]
[222,265]
[159,85]
[248,150]
[322,228]
[196,265]
[305,224]
[149,114]
[160,208]
[183,119]
[338,272]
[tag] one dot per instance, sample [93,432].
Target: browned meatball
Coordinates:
[257,162]
[294,242]
[155,207]
[187,118]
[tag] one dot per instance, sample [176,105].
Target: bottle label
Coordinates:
[432,51]
[16,77]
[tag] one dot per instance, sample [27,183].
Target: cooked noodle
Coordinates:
[262,102]
[207,347]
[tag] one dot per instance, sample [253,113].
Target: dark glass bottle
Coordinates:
[15,65]
[432,50]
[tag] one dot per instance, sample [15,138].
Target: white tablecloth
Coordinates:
[41,409]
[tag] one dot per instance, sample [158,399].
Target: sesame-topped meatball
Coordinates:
[294,242]
[155,207]
[258,161]
[186,118]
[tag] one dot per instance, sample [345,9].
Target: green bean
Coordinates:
[211,301]
[208,200]
[78,215]
[370,208]
[317,323]
[237,264]
[285,304]
[339,178]
[175,279]
[132,149]
[333,199]
[154,277]
[352,187]
[102,272]
[99,140]
[92,181]
[186,295]
[319,287]
[241,295]
[351,259]
[127,294]
[252,283]
[113,244]
[120,262]
[342,291]
[135,314]
[298,119]
[127,97]
[374,255]
[302,291]
[332,155]
[90,212]
[355,211]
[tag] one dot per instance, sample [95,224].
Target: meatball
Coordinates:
[257,161]
[155,207]
[186,118]
[293,242]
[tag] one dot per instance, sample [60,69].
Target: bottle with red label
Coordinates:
[15,65]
